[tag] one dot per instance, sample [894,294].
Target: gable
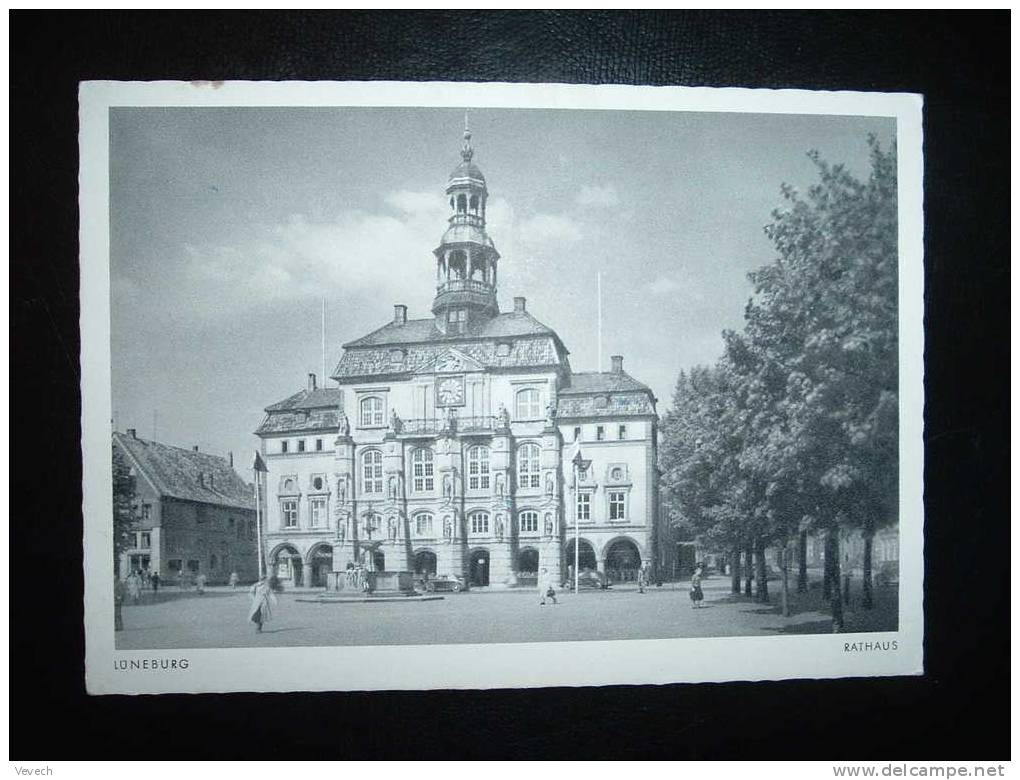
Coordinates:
[451,361]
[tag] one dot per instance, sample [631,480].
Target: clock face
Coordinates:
[450,391]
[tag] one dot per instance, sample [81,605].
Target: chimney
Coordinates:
[311,382]
[617,364]
[132,433]
[400,314]
[520,303]
[230,459]
[194,448]
[201,479]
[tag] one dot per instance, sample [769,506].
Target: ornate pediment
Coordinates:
[451,361]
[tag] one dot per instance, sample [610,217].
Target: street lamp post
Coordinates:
[580,465]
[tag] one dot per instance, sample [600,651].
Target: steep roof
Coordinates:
[175,473]
[320,398]
[607,394]
[504,325]
[602,382]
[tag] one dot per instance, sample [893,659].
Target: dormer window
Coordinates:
[396,356]
[503,349]
[456,320]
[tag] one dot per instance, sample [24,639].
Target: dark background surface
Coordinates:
[959,62]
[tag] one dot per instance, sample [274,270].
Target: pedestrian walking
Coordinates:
[233,580]
[262,602]
[696,595]
[134,587]
[642,577]
[200,583]
[545,587]
[155,583]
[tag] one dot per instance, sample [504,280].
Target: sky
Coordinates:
[229,226]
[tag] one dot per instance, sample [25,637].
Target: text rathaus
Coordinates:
[449,445]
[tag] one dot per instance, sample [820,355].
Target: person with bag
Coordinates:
[696,594]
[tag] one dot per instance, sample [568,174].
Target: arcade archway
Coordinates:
[287,565]
[479,569]
[623,559]
[425,562]
[586,556]
[320,565]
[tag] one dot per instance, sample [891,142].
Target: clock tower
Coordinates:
[466,258]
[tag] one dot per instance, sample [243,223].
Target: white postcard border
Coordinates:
[394,667]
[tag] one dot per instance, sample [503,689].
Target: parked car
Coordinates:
[444,583]
[592,579]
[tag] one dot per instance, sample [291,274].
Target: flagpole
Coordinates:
[598,278]
[323,341]
[577,527]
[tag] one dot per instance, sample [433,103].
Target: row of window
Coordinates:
[527,406]
[617,504]
[601,433]
[317,513]
[301,446]
[478,471]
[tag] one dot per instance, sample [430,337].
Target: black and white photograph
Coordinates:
[402,376]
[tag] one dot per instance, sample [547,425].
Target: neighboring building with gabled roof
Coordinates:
[194,513]
[447,445]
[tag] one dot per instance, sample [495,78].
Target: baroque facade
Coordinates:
[450,445]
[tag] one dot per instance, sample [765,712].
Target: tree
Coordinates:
[124,510]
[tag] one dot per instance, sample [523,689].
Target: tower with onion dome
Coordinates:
[466,258]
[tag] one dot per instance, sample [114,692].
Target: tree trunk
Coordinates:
[802,583]
[735,570]
[866,594]
[827,565]
[748,569]
[785,560]
[835,592]
[762,591]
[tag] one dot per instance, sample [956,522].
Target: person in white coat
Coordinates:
[545,587]
[262,602]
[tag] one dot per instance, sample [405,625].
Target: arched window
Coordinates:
[528,407]
[371,472]
[371,411]
[479,522]
[528,522]
[461,203]
[423,524]
[527,466]
[478,468]
[422,471]
[474,204]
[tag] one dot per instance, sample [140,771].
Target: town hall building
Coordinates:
[463,443]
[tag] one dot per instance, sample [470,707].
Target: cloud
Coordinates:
[665,286]
[543,229]
[595,195]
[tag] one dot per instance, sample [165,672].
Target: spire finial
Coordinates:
[466,151]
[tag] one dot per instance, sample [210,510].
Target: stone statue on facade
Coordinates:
[345,425]
[550,484]
[341,490]
[396,424]
[499,485]
[550,414]
[498,527]
[447,486]
[549,525]
[504,417]
[392,528]
[393,488]
[447,529]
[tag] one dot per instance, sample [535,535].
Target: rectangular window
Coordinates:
[317,513]
[622,432]
[174,564]
[584,506]
[301,445]
[423,525]
[617,506]
[577,433]
[600,433]
[283,446]
[146,511]
[146,541]
[289,514]
[318,445]
[193,566]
